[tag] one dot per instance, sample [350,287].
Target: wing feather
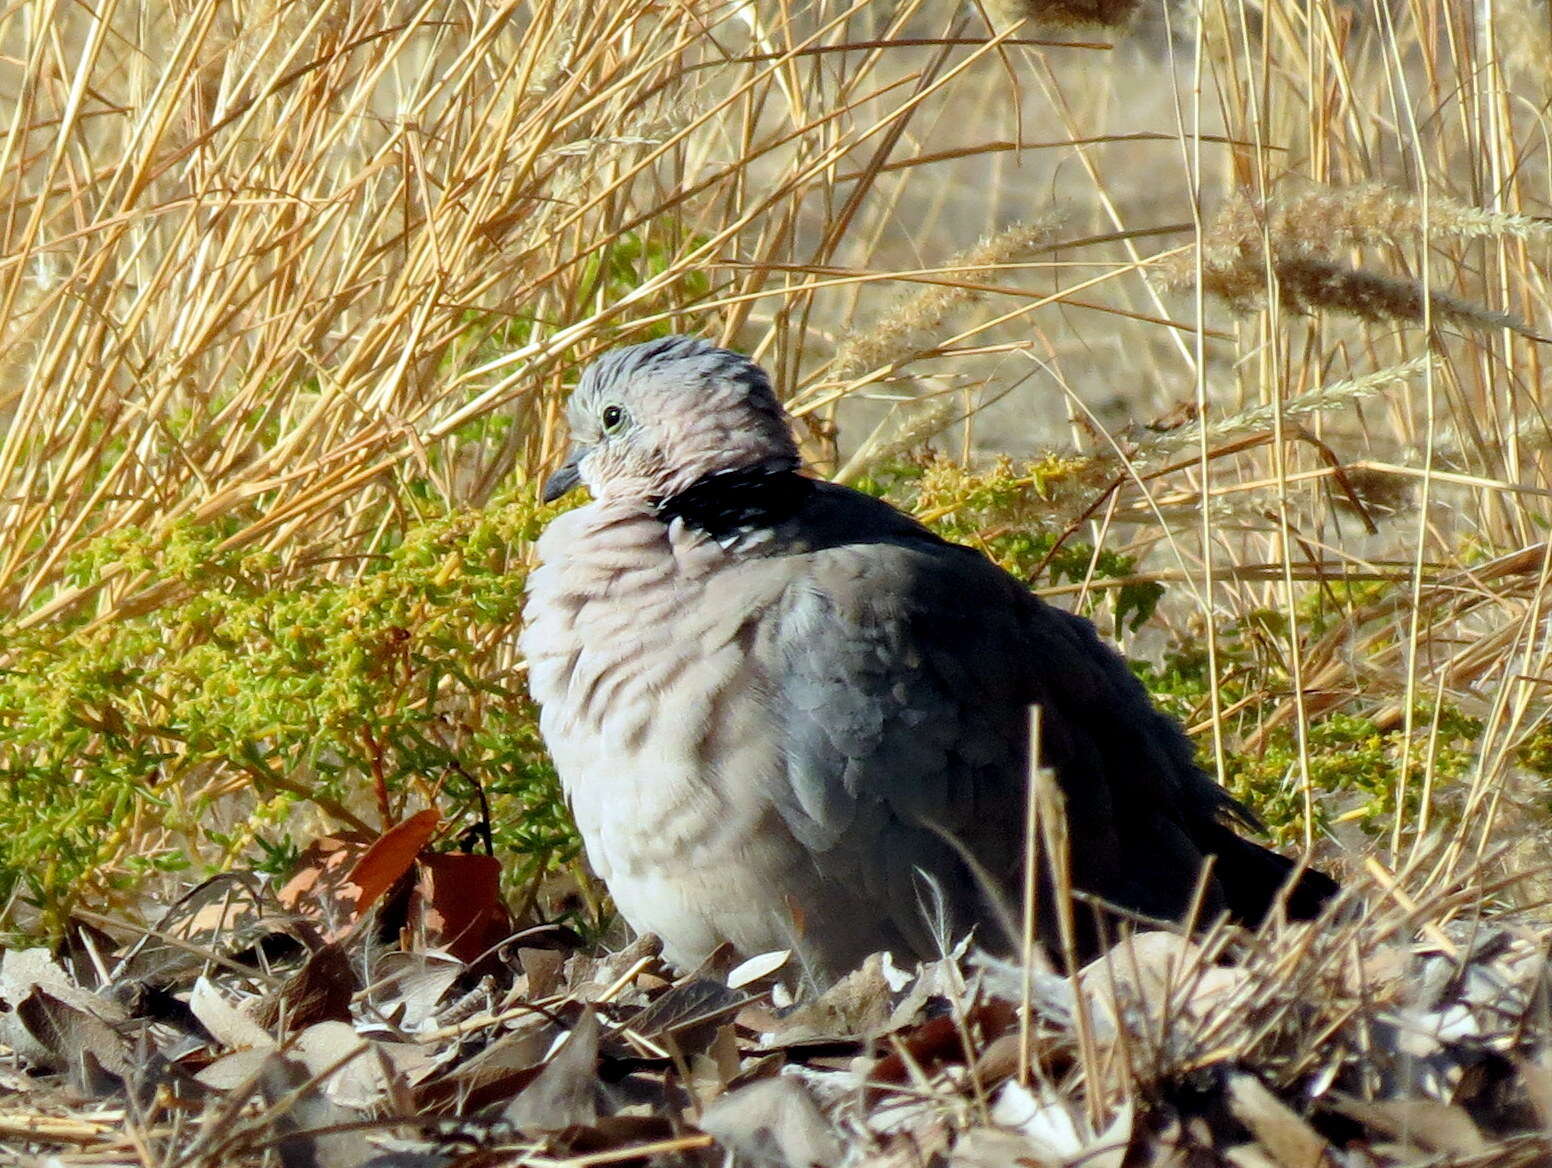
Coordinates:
[904,669]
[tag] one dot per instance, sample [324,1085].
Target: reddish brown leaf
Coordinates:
[390,857]
[321,874]
[457,900]
[943,1040]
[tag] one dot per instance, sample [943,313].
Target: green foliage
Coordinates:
[1354,765]
[1007,511]
[198,731]
[118,740]
[1535,754]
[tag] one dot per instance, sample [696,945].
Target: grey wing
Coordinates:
[902,735]
[907,667]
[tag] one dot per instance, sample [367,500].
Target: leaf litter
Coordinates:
[380,1010]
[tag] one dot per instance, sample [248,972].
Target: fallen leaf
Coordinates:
[97,1056]
[943,1039]
[346,1066]
[1282,1132]
[389,857]
[566,1092]
[312,1130]
[1433,1126]
[757,968]
[318,992]
[408,987]
[773,1122]
[231,1027]
[690,1012]
[858,1004]
[21,972]
[609,1140]
[495,1075]
[457,904]
[234,1070]
[318,885]
[995,1147]
[543,968]
[1047,1121]
[1144,970]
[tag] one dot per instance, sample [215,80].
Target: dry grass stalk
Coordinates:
[912,426]
[325,251]
[1305,233]
[1524,41]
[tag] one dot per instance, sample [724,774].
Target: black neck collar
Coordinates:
[729,501]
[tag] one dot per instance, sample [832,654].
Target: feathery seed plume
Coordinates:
[1316,401]
[916,324]
[1071,13]
[1304,235]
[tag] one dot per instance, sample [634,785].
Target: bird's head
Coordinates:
[650,420]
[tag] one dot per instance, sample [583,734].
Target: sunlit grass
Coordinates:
[290,298]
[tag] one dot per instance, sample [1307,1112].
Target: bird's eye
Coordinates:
[612,417]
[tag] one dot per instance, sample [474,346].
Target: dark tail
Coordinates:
[1252,878]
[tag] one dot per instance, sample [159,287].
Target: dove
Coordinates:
[786,715]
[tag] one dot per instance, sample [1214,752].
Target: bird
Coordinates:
[787,715]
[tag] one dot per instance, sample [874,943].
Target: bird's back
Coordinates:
[908,667]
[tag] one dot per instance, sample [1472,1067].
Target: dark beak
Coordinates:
[566,478]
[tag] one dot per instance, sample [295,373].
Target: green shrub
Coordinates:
[116,741]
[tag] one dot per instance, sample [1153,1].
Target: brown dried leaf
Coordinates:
[1427,1123]
[858,1004]
[233,1070]
[1283,1133]
[78,1040]
[606,1141]
[775,1122]
[409,987]
[383,864]
[318,992]
[588,978]
[497,1073]
[346,1066]
[21,972]
[543,968]
[690,1012]
[307,1129]
[566,1093]
[996,1147]
[944,1039]
[228,1025]
[457,903]
[1144,970]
